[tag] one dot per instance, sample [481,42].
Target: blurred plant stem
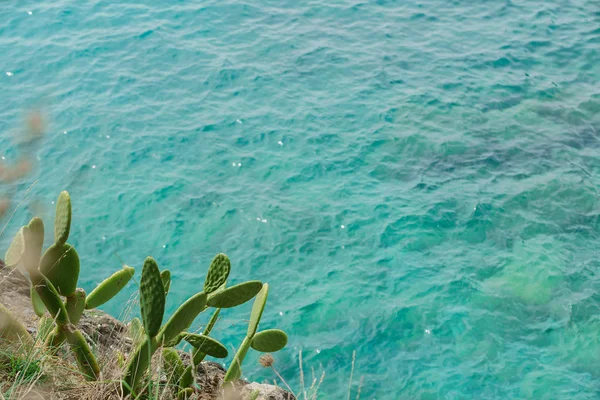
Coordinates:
[27,141]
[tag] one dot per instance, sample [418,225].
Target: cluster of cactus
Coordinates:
[267,341]
[54,275]
[154,286]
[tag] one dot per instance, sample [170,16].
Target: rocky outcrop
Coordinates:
[109,335]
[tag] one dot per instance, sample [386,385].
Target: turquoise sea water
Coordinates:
[417,180]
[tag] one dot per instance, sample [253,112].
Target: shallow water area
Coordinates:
[417,181]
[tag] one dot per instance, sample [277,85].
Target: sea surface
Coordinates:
[416,180]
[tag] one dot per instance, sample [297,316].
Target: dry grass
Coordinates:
[32,373]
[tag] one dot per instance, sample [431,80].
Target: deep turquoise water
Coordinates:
[418,181]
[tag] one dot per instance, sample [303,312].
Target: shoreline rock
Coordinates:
[109,335]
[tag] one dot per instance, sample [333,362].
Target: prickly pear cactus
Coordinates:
[75,305]
[138,364]
[165,275]
[152,297]
[60,264]
[11,329]
[136,331]
[269,341]
[45,327]
[62,221]
[257,309]
[198,355]
[173,365]
[108,288]
[38,305]
[185,394]
[52,275]
[206,344]
[235,295]
[184,316]
[234,372]
[33,236]
[15,251]
[217,273]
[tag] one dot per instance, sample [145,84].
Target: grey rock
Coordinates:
[267,392]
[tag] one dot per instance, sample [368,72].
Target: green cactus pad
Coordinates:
[211,323]
[235,295]
[257,309]
[206,344]
[165,276]
[235,369]
[198,355]
[185,394]
[269,341]
[15,251]
[138,364]
[60,264]
[38,305]
[52,300]
[184,316]
[108,288]
[152,297]
[11,328]
[136,331]
[174,367]
[217,273]
[62,221]
[75,305]
[55,340]
[83,355]
[34,241]
[187,379]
